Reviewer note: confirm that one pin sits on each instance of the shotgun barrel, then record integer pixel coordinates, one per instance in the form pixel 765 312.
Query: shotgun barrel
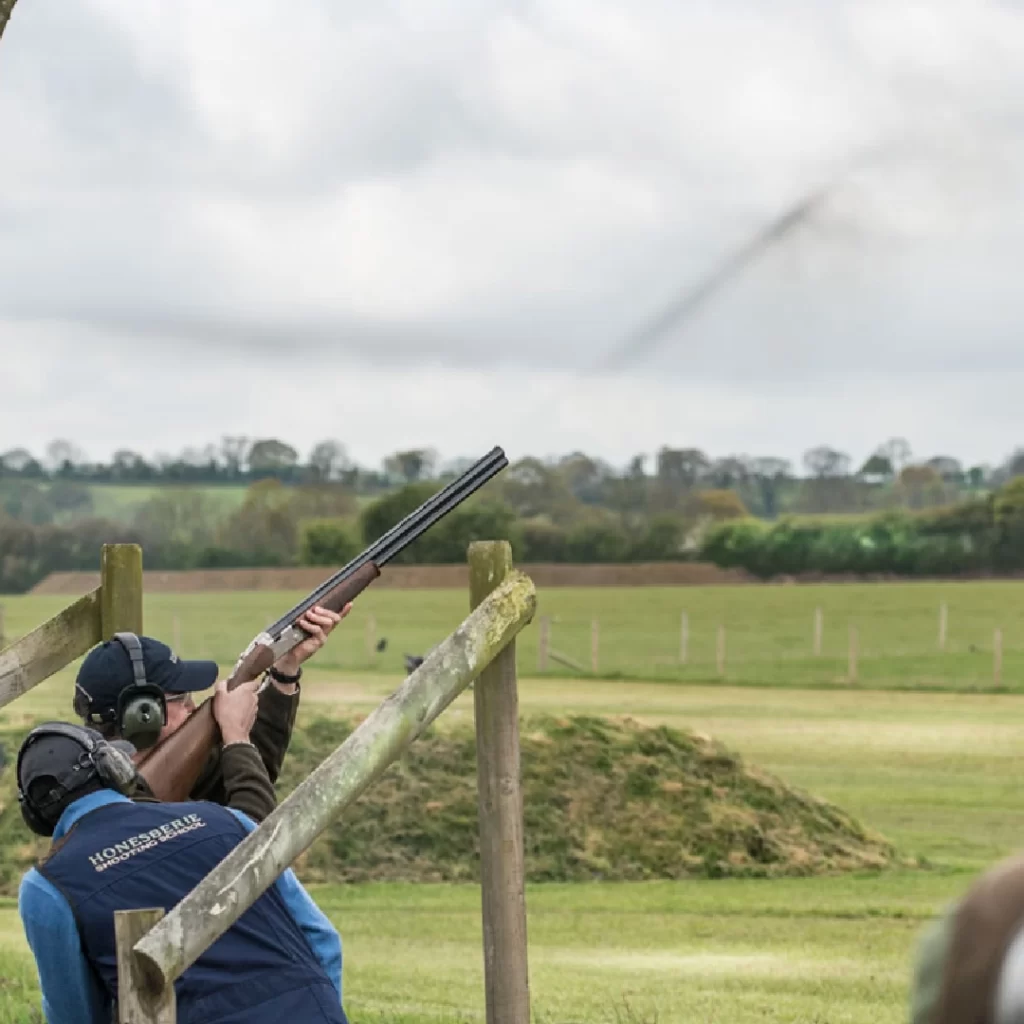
pixel 173 766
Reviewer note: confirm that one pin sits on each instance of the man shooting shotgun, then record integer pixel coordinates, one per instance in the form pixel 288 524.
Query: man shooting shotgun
pixel 172 767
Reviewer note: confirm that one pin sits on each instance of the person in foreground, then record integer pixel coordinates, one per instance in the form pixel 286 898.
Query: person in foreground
pixel 241 771
pixel 970 961
pixel 281 961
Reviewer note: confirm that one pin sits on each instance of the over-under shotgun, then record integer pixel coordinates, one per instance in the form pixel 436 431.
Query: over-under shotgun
pixel 172 768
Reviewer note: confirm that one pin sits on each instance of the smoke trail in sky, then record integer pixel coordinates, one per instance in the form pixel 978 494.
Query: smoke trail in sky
pixel 694 297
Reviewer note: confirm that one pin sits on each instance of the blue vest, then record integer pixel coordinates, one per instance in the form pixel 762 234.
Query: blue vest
pixel 126 856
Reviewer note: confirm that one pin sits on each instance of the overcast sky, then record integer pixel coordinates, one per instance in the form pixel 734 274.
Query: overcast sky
pixel 407 223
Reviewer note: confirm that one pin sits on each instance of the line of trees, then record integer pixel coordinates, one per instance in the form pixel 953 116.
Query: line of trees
pixel 574 508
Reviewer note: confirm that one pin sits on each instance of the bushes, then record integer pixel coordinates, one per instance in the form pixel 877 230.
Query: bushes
pixel 327 542
pixel 979 535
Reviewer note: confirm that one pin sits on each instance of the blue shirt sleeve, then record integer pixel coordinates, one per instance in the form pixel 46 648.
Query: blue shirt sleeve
pixel 321 935
pixel 71 991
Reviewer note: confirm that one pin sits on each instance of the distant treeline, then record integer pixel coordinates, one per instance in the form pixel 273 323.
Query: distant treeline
pixel 575 508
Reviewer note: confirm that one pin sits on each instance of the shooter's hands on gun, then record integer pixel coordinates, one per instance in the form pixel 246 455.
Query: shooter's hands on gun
pixel 235 710
pixel 318 623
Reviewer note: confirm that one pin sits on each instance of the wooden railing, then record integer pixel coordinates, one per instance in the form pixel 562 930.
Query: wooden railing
pixel 154 950
pixel 115 605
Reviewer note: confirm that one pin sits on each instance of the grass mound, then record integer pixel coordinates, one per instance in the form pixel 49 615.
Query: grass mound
pixel 604 799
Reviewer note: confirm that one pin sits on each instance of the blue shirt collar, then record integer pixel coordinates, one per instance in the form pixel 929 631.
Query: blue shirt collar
pixel 73 812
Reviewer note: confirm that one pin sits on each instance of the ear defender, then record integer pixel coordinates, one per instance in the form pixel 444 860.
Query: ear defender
pixel 141 707
pixel 99 759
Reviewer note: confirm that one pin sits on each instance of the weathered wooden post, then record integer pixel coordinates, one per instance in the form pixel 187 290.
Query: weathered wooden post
pixel 595 647
pixel 543 643
pixel 943 624
pixel 853 652
pixel 819 630
pixel 997 657
pixel 206 913
pixel 120 589
pixel 136 1004
pixel 500 800
pixel 6 7
pixel 684 637
pixel 720 653
pixel 371 637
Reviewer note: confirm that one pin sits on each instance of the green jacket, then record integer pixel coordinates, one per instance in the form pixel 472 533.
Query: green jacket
pixel 242 775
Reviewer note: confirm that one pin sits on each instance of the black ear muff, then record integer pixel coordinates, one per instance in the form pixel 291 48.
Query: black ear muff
pixel 99 759
pixel 141 707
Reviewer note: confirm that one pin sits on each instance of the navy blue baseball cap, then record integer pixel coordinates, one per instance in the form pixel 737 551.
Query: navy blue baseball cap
pixel 107 670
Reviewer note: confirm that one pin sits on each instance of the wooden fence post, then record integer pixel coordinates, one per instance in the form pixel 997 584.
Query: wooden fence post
pixel 852 670
pixel 543 643
pixel 136 1004
pixel 371 636
pixel 997 657
pixel 721 652
pixel 120 589
pixel 595 646
pixel 684 637
pixel 819 629
pixel 500 799
pixel 943 624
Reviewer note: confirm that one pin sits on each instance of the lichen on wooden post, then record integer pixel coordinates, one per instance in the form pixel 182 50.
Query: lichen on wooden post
pixel 6 7
pixel 255 864
pixel 50 647
pixel 120 589
pixel 500 803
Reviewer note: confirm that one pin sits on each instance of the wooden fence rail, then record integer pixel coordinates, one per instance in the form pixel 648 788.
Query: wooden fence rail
pixel 483 640
pixel 116 604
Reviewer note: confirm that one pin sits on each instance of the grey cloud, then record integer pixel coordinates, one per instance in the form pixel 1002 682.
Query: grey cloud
pixel 483 111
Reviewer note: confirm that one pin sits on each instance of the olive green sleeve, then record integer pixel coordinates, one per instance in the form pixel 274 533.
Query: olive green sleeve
pixel 247 787
pixel 272 732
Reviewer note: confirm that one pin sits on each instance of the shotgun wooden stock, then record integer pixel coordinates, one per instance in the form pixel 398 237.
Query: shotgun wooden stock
pixel 173 767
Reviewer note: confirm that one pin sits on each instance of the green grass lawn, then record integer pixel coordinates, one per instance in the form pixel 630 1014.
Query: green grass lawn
pixel 935 772
pixel 769 631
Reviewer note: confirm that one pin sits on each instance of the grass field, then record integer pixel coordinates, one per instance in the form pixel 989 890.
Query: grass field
pixel 768 640
pixel 936 772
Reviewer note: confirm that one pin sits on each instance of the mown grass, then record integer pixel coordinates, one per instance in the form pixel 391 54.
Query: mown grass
pixel 938 774
pixel 769 631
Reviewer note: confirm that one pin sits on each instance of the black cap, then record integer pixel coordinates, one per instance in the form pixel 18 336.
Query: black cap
pixel 107 670
pixel 55 768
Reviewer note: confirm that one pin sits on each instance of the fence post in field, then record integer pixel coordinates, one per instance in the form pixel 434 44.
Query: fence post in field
pixel 6 7
pixel 684 637
pixel 997 657
pixel 595 646
pixel 943 625
pixel 120 589
pixel 721 652
pixel 172 945
pixel 136 1004
pixel 500 800
pixel 543 643
pixel 852 669
pixel 819 629
pixel 371 636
